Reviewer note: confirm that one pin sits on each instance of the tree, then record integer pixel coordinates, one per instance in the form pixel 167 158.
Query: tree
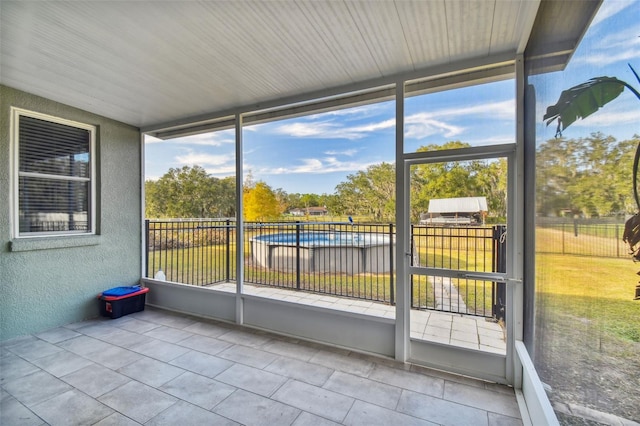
pixel 310 200
pixel 332 203
pixel 602 159
pixel 225 193
pixel 293 201
pixel 370 192
pixel 491 181
pixel 570 175
pixel 453 179
pixel 556 167
pixel 282 198
pixel 260 203
pixel 190 192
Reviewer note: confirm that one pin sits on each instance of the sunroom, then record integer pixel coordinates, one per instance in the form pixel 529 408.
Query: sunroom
pixel 87 82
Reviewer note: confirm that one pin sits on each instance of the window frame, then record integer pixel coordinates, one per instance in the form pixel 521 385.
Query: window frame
pixel 16 114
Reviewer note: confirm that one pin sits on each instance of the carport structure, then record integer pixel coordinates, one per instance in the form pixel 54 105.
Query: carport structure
pixel 170 69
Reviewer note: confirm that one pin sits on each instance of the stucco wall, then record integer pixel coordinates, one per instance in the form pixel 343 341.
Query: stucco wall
pixel 48 282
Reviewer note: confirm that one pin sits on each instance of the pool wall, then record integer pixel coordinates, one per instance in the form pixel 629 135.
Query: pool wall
pixel 354 258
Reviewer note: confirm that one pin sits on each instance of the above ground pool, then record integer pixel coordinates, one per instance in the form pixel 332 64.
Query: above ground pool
pixel 340 252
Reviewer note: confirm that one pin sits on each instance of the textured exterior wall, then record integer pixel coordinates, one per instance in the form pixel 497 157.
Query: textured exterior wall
pixel 48 282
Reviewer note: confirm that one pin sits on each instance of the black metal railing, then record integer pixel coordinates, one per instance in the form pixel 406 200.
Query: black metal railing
pixel 192 252
pixel 459 248
pixel 341 259
pixel 581 237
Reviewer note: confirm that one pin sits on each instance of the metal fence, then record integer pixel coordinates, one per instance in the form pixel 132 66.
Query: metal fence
pixel 332 258
pixel 198 252
pixel 581 238
pixel 470 249
pixel 341 259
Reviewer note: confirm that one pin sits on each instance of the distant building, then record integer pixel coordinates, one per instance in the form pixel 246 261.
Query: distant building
pixel 455 211
pixel 310 211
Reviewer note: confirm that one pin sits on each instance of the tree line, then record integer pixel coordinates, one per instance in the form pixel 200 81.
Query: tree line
pixel 587 176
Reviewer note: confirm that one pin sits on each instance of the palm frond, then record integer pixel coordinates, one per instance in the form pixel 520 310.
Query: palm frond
pixel 583 100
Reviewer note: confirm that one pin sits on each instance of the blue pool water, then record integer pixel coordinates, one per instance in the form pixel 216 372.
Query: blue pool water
pixel 324 238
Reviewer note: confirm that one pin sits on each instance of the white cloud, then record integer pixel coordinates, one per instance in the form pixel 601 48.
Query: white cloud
pixel 347 152
pixel 418 125
pixel 609 118
pixel 608 57
pixel 204 160
pixel 421 125
pixel 622 45
pixel 424 124
pixel 219 165
pixel 610 8
pixel 225 171
pixel 317 166
pixel 302 130
pixel 504 110
pixel 372 127
pixel 494 140
pixel 332 130
pixel 620 39
pixel 361 111
pixel 220 138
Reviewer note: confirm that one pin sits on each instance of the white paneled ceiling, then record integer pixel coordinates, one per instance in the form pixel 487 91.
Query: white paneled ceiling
pixel 148 63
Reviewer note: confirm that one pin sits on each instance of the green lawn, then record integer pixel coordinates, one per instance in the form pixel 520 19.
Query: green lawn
pixel 588 287
pixel 596 242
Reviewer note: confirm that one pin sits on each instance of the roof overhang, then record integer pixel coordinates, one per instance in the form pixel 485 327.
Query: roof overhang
pixel 174 68
pixel 557 31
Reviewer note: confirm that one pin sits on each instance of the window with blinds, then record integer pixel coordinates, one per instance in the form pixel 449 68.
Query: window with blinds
pixel 55 175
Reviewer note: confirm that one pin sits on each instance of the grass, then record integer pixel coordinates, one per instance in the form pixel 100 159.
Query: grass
pixel 207 265
pixel 604 230
pixel 587 326
pixel 467 249
pixel 592 243
pixel 597 291
pixel 588 288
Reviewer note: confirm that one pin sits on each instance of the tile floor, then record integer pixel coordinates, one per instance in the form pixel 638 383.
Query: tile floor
pixel 159 368
pixel 441 327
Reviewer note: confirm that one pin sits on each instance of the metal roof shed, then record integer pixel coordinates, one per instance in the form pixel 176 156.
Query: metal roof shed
pixel 458 205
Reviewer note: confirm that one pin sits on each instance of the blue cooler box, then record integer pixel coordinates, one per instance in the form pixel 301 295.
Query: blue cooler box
pixel 119 301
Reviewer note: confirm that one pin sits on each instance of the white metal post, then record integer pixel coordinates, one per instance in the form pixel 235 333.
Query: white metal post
pixel 143 207
pixel 402 230
pixel 515 238
pixel 239 224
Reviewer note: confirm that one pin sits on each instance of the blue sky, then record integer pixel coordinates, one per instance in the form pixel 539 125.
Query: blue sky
pixel 313 154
